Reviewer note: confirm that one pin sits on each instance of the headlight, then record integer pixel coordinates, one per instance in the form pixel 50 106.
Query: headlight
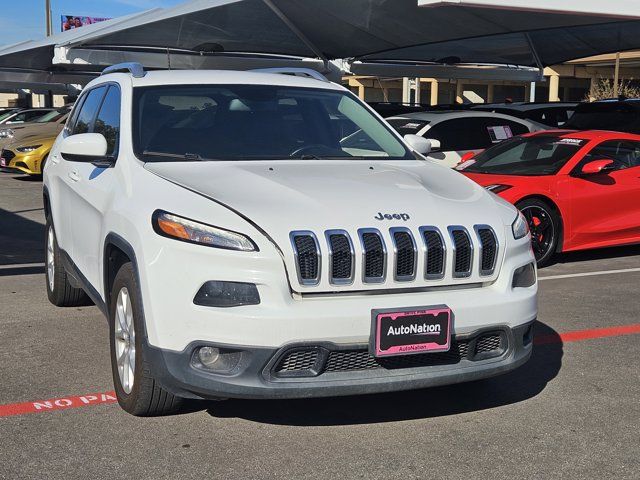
pixel 179 228
pixel 28 149
pixel 6 133
pixel 520 227
pixel 497 188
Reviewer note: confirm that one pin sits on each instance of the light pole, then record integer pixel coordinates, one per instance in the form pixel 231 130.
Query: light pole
pixel 49 27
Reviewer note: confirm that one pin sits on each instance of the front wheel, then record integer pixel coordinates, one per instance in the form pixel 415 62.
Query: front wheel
pixel 544 223
pixel 137 389
pixel 59 290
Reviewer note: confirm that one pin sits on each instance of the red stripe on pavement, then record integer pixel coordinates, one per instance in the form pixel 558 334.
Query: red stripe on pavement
pixel 110 397
pixel 580 335
pixel 57 404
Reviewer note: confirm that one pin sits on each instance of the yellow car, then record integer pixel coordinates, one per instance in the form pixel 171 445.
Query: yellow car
pixel 28 155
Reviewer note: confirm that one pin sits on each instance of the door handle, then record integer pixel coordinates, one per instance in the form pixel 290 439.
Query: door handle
pixel 73 175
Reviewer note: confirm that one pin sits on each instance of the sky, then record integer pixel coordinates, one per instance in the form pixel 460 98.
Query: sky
pixel 25 19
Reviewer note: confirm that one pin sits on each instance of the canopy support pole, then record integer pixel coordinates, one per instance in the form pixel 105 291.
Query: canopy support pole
pixel 297 32
pixel 534 52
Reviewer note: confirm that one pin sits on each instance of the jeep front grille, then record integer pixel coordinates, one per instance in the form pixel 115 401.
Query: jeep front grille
pixel 424 254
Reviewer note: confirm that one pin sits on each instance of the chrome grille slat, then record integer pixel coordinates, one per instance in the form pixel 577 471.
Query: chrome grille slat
pixel 405 254
pixel 462 251
pixel 308 257
pixel 374 255
pixel 487 250
pixel 435 252
pixel 341 257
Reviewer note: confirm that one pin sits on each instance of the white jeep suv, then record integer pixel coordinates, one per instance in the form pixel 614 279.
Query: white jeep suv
pixel 241 247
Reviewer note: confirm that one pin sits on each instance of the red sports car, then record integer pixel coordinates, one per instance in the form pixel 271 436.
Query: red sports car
pixel 578 190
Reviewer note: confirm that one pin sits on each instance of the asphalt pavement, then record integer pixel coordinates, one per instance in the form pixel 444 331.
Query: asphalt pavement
pixel 572 412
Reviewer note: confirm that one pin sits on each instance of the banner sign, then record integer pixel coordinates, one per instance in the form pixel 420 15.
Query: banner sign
pixel 69 22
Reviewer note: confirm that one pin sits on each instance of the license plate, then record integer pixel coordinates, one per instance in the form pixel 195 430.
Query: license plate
pixel 412 330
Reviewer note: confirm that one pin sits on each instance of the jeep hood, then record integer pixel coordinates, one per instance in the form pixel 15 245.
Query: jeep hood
pixel 281 196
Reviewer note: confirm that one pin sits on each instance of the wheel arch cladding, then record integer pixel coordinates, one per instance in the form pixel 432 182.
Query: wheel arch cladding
pixel 45 202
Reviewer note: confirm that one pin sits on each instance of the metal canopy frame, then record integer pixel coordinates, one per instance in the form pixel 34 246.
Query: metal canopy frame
pixel 476 39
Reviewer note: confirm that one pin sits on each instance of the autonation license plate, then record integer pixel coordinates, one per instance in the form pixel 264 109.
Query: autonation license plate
pixel 407 331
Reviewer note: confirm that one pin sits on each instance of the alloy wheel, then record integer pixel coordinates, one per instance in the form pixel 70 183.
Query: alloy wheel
pixel 125 340
pixel 542 230
pixel 51 264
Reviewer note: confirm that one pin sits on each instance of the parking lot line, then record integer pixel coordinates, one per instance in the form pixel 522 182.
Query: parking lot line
pixel 589 274
pixel 21 265
pixel 103 398
pixel 580 335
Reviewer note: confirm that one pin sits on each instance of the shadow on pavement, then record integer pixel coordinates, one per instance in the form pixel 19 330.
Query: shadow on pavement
pixel 21 240
pixel 516 386
pixel 596 254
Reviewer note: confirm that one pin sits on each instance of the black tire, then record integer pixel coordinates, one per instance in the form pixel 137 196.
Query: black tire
pixel 145 398
pixel 545 225
pixel 59 290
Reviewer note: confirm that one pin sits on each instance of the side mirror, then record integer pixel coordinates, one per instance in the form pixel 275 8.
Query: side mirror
pixel 597 166
pixel 418 144
pixel 86 147
pixel 435 144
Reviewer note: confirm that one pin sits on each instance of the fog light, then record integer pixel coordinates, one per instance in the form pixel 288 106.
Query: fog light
pixel 217 360
pixel 208 356
pixel 227 294
pixel 524 276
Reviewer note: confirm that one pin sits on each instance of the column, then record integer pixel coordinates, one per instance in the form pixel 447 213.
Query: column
pixel 406 90
pixel 490 93
pixel 554 88
pixel 434 92
pixel 459 92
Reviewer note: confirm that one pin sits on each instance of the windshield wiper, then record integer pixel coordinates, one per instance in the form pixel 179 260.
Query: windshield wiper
pixel 189 157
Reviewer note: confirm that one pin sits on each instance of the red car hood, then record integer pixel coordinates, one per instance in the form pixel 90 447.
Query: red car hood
pixel 521 186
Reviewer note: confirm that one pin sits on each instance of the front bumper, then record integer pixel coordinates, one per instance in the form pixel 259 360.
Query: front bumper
pixel 342 369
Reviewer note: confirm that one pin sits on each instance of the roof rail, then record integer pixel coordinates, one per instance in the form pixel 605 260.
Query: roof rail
pixel 294 71
pixel 134 68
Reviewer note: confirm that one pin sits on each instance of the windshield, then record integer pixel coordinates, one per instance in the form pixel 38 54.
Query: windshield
pixel 4 116
pixel 257 122
pixel 537 155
